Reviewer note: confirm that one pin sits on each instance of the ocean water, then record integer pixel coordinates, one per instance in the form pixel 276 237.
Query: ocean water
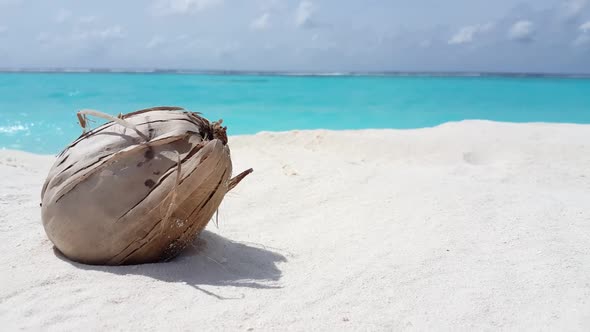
pixel 37 110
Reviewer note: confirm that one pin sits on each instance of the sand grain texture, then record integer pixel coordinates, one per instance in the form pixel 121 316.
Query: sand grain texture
pixel 469 225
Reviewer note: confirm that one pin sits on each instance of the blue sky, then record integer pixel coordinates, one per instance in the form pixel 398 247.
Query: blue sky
pixel 308 35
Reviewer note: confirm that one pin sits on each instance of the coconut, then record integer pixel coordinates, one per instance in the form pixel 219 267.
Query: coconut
pixel 137 189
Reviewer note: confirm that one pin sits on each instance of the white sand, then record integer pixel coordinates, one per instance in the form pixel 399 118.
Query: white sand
pixel 470 225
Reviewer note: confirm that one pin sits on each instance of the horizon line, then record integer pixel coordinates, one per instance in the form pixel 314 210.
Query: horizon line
pixel 156 70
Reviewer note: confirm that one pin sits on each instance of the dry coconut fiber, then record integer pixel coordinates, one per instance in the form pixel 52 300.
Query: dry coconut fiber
pixel 137 189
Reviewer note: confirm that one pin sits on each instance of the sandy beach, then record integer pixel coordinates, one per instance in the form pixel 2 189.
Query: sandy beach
pixel 471 225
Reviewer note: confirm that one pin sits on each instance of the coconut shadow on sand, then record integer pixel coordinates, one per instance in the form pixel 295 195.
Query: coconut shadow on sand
pixel 211 260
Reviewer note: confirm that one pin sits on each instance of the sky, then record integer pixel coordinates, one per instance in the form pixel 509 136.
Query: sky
pixel 550 36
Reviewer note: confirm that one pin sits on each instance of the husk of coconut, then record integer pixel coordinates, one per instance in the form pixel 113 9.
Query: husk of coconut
pixel 137 189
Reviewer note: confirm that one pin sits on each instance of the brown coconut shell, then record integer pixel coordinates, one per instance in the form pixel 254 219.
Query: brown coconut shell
pixel 137 189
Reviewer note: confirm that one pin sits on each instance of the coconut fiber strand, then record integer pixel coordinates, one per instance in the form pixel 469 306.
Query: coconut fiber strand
pixel 137 189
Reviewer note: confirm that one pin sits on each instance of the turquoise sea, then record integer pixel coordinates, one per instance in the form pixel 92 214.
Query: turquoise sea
pixel 37 110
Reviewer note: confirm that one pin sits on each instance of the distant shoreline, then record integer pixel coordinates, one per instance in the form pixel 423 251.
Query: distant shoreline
pixel 287 73
pixel 312 132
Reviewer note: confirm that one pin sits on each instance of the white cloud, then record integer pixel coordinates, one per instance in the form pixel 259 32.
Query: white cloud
pixel 168 7
pixel 155 42
pixel 96 43
pixel 87 19
pixel 113 32
pixel 81 36
pixel 584 37
pixel 304 14
pixel 574 7
pixel 261 23
pixel 467 34
pixel 3 29
pixel 62 15
pixel 522 31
